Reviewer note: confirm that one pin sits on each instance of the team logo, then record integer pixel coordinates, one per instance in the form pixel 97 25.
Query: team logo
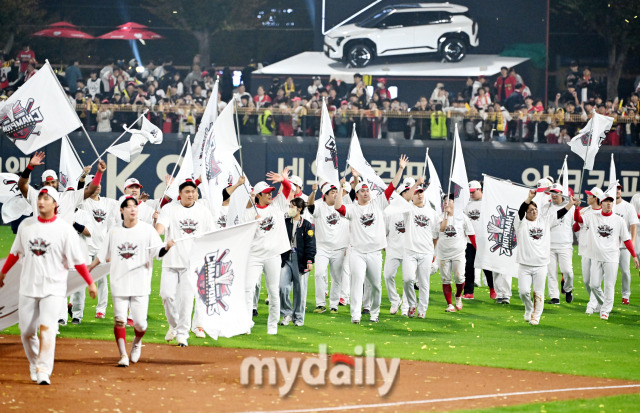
pixel 215 279
pixel 474 215
pixel 421 221
pixel 536 233
pixel 605 231
pixel 267 224
pixel 400 227
pixel 63 179
pixel 188 226
pixel 38 247
pixel 450 231
pixel 502 232
pixel 456 190
pixel 330 145
pixel 222 221
pixel 99 215
pixel 12 183
pixel 368 219
pixel 374 188
pixel 127 250
pixel 21 122
pixel 333 218
pixel 212 167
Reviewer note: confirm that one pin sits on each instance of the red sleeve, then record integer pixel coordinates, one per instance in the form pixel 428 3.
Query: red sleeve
pixel 84 273
pixel 472 238
pixel 198 182
pixel 97 178
pixel 342 210
pixel 576 216
pixel 10 262
pixel 286 188
pixel 576 227
pixel 164 201
pixel 629 246
pixel 389 191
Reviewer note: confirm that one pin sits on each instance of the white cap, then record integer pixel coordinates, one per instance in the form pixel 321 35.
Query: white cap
pixel 408 181
pixel 132 181
pixel 605 195
pixel 557 188
pixel 328 187
pixel 403 187
pixel 124 198
pixel 543 184
pixel 550 178
pixel 296 180
pixel 52 192
pixel 49 175
pixel 262 188
pixel 346 187
pixel 361 185
pixel 473 185
pixel 595 191
pixel 419 188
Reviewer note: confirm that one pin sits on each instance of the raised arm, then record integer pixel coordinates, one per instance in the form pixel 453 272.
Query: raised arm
pixel 23 183
pixel 404 160
pixel 95 182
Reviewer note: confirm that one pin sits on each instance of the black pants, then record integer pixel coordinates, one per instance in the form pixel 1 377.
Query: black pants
pixel 469 271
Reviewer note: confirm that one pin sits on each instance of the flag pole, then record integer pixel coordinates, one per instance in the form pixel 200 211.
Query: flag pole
pixel 235 102
pixel 118 138
pixel 424 168
pixel 245 188
pixel 562 169
pixel 453 149
pixel 74 150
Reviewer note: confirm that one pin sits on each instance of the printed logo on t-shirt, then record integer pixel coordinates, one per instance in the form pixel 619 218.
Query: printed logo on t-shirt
pixel 400 227
pixel 450 231
pixel 536 233
pixel 474 215
pixel 99 215
pixel 368 219
pixel 222 221
pixel 267 224
pixel 127 250
pixel 421 220
pixel 333 218
pixel 38 247
pixel 188 226
pixel 605 231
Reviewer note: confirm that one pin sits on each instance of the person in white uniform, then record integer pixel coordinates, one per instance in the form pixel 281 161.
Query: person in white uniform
pixel 627 212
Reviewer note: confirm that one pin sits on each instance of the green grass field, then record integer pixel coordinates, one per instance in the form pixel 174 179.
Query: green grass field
pixel 484 333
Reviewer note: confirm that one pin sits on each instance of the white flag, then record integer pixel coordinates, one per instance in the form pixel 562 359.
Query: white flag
pixel 204 129
pixel 612 190
pixel 564 175
pixel 14 208
pixel 587 142
pixel 496 240
pixel 433 193
pixel 128 151
pixel 219 166
pixel 327 155
pixel 359 163
pixel 8 186
pixel 238 204
pixel 9 294
pixel 459 179
pixel 186 171
pixel 220 261
pixel 38 113
pixel 70 167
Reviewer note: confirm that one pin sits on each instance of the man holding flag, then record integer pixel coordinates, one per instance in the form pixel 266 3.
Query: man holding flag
pixel 624 210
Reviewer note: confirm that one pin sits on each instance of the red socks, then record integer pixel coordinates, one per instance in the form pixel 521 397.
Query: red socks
pixel 446 289
pixel 459 289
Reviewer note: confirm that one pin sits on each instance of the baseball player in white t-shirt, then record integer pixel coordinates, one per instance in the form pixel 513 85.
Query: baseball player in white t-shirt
pixel 451 245
pixel 367 232
pixel 181 219
pixel 635 202
pixel 146 212
pixel 534 245
pixel 49 247
pixel 625 210
pixel 593 203
pixel 131 248
pixel 606 231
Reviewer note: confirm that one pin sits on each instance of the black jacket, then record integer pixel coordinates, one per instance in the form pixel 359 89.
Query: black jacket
pixel 305 243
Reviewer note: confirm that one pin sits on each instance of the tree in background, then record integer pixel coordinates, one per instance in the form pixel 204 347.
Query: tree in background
pixel 17 19
pixel 617 22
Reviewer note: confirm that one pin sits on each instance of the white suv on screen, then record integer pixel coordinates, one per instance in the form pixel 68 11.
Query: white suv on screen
pixel 404 29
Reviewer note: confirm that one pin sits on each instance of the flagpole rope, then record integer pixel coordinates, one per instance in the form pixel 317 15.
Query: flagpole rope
pixel 117 139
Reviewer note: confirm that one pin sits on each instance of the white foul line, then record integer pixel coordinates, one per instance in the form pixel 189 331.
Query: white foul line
pixel 451 399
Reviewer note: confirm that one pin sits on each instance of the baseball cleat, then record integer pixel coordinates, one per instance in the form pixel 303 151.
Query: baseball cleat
pixel 333 310
pixel 43 379
pixel 625 301
pixel 505 301
pixel 468 296
pixel 32 373
pixel 136 350
pixel 342 302
pixel 199 332
pixel 393 309
pixel 354 321
pixel 62 322
pixel 373 320
pixel 421 315
pixel 320 309
pixel 298 323
pixel 492 294
pixel 255 313
pixel 589 311
pixel 99 315
pixel 182 342
pixel 266 300
pixel 365 311
pixel 450 309
pixel 412 312
pixel 171 335
pixel 124 361
pixel 569 297
pixel 499 300
pixel 285 320
pixel 459 303
pixel 527 316
pixel 76 321
pixel 604 316
pixel 555 301
pixel 534 322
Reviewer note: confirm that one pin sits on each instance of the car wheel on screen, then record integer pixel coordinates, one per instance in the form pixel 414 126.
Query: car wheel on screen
pixel 453 49
pixel 359 55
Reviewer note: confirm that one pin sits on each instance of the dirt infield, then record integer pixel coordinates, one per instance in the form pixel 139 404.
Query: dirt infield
pixel 170 378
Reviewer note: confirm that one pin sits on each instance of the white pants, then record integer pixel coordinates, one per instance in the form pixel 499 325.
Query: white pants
pixel 103 295
pixel 391 265
pixel 369 266
pixel 586 279
pixel 625 268
pixel 34 314
pixel 607 271
pixel 562 257
pixel 271 268
pixel 502 285
pixel 334 260
pixel 139 306
pixel 177 290
pixel 532 278
pixel 416 265
pixel 346 275
pixel 452 268
pixel 196 321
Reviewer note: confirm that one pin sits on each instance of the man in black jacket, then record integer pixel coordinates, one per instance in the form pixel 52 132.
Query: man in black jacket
pixel 296 264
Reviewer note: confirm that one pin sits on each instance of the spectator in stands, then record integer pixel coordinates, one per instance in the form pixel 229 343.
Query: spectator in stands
pixel 357 80
pixel 370 121
pixel 440 95
pixel 515 99
pixel 438 123
pixel 94 85
pixel 514 74
pixel 290 88
pixel 316 83
pixel 340 87
pixel 266 121
pixel 586 85
pixel 194 76
pixel 298 112
pixel 552 133
pixel 104 117
pixel 573 76
pixel 381 88
pixel 631 128
pixel 72 74
pixel 31 69
pixel 482 100
pixel 24 56
pixel 422 124
pixel 273 89
pixel 564 136
pixel 106 73
pixel 504 85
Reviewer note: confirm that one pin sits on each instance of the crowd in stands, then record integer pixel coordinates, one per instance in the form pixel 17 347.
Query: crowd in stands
pixel 503 110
